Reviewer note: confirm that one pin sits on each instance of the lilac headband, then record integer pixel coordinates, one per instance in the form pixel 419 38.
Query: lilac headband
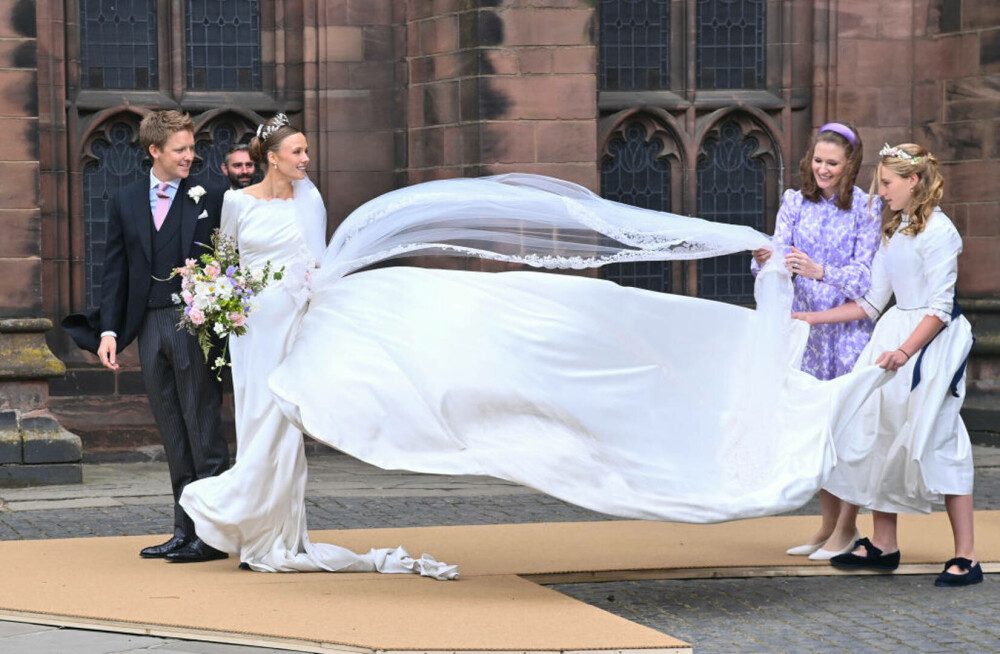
pixel 843 130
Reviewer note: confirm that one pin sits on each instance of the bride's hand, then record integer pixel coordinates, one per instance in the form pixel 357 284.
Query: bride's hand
pixel 799 263
pixel 761 255
pixel 804 316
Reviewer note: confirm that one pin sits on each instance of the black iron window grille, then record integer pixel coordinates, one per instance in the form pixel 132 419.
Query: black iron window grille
pixel 635 45
pixel 731 35
pixel 634 172
pixel 730 190
pixel 222 38
pixel 118 46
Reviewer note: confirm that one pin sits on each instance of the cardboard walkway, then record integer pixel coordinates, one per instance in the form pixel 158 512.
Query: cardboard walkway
pixel 101 583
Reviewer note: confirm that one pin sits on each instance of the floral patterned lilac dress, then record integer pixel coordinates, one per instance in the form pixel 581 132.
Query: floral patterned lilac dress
pixel 844 243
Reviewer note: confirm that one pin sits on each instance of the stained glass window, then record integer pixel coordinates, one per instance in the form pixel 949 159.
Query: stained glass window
pixel 730 44
pixel 633 172
pixel 635 45
pixel 119 161
pixel 730 190
pixel 223 44
pixel 118 44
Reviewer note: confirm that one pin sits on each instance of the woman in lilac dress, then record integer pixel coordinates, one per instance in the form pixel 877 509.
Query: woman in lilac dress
pixel 830 233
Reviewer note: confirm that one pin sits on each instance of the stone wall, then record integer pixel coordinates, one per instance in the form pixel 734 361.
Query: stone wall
pixel 928 71
pixel 501 88
pixel 20 246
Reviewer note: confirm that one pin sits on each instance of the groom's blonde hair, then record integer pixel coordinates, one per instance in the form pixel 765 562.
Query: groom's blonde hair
pixel 157 127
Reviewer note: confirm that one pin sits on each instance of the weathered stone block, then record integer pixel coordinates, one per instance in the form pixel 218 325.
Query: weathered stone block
pixel 23 394
pixel 989 51
pixel 44 441
pixel 438 35
pixel 977 266
pixel 40 475
pixel 24 354
pixel 977 14
pixel 20 282
pixel 565 140
pixel 21 229
pixel 343 43
pixel 548 27
pixel 18 92
pixel 10 437
pixel 942 58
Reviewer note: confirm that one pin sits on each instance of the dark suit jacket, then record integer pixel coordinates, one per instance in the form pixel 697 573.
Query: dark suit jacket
pixel 127 276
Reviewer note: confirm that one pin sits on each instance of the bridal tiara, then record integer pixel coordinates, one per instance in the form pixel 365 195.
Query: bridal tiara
pixel 889 151
pixel 280 120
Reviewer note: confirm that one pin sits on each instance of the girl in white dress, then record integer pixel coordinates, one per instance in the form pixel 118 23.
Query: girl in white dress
pixel 910 450
pixel 257 508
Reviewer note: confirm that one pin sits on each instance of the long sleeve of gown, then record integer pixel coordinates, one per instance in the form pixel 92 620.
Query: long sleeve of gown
pixel 939 250
pixel 854 277
pixel 877 297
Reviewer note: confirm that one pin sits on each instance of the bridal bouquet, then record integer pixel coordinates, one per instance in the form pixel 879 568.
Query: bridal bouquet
pixel 217 295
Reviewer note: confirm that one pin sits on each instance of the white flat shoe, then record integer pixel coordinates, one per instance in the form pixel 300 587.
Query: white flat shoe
pixel 803 550
pixel 825 555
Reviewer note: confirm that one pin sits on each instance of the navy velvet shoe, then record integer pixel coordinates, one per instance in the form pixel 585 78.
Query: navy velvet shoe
pixel 973 573
pixel 873 558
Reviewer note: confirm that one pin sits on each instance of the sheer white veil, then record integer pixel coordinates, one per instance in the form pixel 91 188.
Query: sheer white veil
pixel 522 218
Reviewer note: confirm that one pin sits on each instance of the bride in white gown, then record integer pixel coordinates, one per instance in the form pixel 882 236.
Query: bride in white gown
pixel 621 400
pixel 257 509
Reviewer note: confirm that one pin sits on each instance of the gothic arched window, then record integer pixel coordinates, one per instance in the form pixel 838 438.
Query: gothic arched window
pixel 731 189
pixel 635 44
pixel 635 170
pixel 113 159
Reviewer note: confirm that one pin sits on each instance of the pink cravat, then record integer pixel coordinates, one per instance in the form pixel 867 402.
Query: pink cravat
pixel 162 205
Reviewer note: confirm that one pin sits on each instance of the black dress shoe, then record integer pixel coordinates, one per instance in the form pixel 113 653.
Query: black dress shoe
pixel 161 551
pixel 872 558
pixel 195 552
pixel 973 573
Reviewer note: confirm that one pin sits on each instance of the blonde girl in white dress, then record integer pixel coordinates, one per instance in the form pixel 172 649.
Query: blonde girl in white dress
pixel 910 451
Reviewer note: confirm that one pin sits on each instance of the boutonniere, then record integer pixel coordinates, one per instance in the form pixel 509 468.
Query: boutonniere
pixel 195 193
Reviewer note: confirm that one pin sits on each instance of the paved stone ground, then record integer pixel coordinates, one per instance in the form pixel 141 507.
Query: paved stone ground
pixel 807 614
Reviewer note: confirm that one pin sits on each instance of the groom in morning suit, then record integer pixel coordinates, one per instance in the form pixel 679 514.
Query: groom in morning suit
pixel 153 225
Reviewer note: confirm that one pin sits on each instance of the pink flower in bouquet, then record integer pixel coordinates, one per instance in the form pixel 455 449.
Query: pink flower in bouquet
pixel 187 297
pixel 196 315
pixel 238 319
pixel 212 270
pixel 190 263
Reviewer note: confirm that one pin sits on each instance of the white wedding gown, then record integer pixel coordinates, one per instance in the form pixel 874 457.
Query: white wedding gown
pixel 256 509
pixel 625 401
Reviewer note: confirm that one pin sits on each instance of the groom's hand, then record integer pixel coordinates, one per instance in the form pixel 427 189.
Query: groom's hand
pixel 106 352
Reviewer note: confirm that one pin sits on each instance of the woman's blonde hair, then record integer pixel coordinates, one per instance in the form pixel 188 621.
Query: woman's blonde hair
pixel 905 160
